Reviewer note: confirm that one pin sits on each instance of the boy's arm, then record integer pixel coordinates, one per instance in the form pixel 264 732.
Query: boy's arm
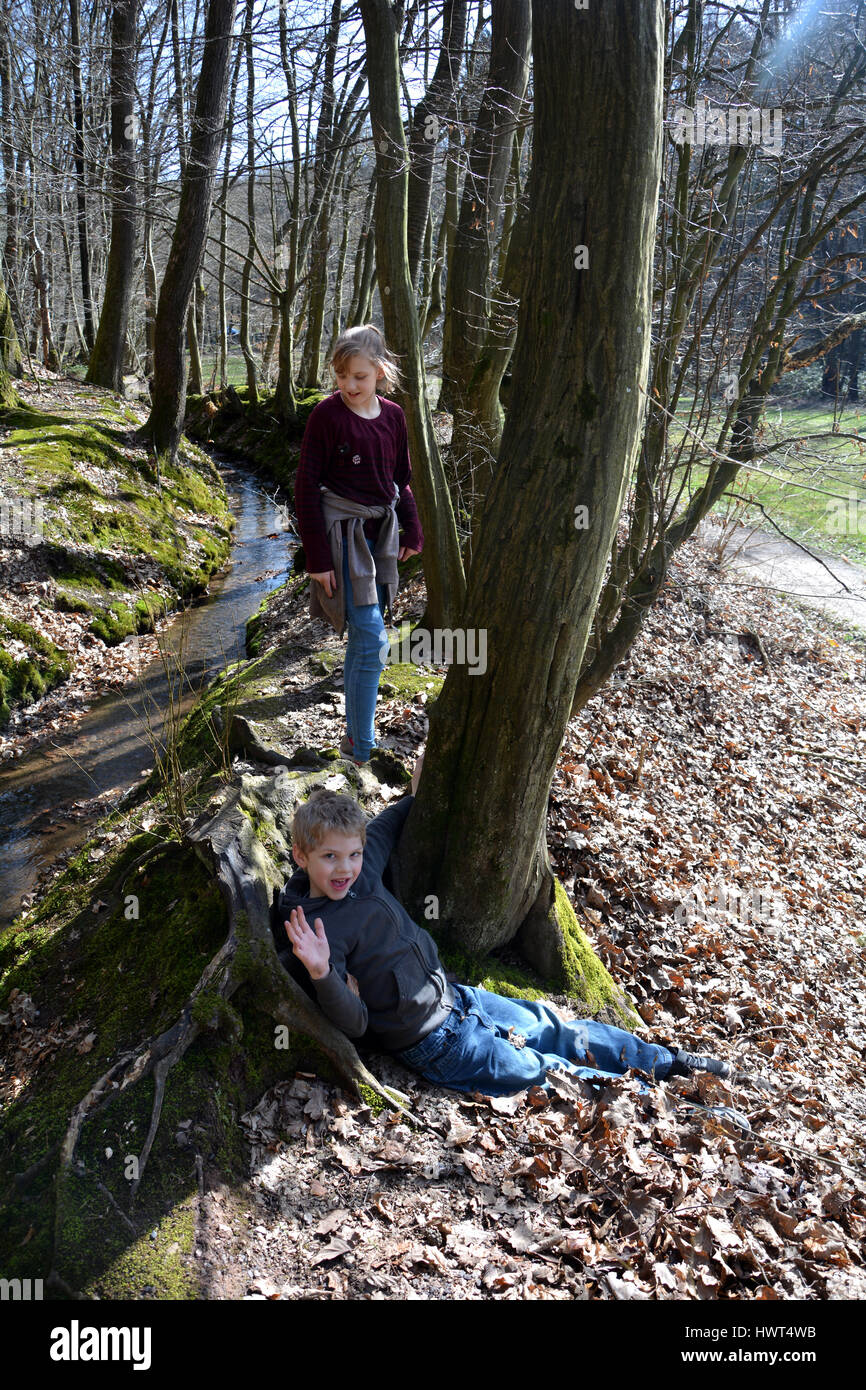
pixel 383 832
pixel 343 1007
pixel 325 966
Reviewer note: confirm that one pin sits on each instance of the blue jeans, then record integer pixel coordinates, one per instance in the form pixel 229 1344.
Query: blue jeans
pixel 363 664
pixel 471 1050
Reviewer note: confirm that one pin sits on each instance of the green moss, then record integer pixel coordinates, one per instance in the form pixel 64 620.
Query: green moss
pixel 585 978
pixel 25 678
pixel 491 974
pixel 377 1103
pixel 405 679
pixel 66 601
pixel 155 1265
pixel 177 516
pixel 212 1011
pixel 120 620
pixel 372 1098
pixel 326 660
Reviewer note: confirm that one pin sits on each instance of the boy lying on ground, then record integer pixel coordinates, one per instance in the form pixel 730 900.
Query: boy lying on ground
pixel 375 972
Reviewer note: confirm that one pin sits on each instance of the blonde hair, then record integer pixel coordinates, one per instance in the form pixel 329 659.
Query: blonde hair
pixel 366 340
pixel 326 811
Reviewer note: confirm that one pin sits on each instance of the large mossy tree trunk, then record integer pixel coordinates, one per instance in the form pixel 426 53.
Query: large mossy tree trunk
pixel 475 838
pixel 443 567
pixel 165 423
pixel 107 359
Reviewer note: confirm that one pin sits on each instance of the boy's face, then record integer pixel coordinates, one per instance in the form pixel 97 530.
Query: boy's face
pixel 333 865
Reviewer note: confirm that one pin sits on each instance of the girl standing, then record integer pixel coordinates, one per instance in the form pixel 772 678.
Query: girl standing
pixel 357 516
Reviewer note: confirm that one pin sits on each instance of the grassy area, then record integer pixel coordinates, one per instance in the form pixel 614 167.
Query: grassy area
pixel 814 489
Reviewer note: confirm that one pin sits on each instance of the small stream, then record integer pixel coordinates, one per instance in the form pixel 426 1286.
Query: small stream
pixel 109 748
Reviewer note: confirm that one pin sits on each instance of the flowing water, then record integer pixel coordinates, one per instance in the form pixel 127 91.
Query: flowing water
pixel 109 748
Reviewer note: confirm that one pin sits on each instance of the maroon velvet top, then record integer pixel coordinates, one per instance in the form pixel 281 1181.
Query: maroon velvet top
pixel 357 458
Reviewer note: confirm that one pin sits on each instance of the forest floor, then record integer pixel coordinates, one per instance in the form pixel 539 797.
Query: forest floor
pixel 707 820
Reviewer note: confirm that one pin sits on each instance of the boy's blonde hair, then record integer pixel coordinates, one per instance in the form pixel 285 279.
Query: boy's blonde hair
pixel 326 811
pixel 366 340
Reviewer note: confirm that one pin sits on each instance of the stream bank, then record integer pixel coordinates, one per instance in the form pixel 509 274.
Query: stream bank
pixel 136 589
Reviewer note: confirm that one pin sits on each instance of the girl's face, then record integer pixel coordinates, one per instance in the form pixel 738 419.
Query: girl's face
pixel 357 380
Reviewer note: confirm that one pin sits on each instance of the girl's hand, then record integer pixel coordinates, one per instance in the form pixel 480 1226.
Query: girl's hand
pixel 309 945
pixel 328 582
pixel 405 552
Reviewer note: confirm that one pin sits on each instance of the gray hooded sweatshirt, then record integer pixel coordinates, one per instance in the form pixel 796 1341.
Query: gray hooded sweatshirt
pixel 366 569
pixel 404 994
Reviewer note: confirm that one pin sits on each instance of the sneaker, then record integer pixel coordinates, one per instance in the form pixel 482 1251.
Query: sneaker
pixel 685 1063
pixel 347 746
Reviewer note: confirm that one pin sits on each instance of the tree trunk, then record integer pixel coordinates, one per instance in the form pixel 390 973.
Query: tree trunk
pixel 467 302
pixel 285 400
pixel 42 286
pixel 318 289
pixel 337 304
pixel 165 422
pixel 246 273
pixel 364 276
pixel 11 166
pixel 107 359
pixel 426 125
pixel 443 567
pixel 10 349
pixel 195 383
pixel 475 837
pixel 70 277
pixel 80 169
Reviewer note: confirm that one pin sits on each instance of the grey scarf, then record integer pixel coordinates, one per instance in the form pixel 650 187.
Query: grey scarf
pixel 365 570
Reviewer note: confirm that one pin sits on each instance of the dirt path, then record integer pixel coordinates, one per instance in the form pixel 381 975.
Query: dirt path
pixel 828 583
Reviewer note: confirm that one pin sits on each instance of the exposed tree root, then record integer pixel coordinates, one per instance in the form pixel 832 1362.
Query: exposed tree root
pixel 246 870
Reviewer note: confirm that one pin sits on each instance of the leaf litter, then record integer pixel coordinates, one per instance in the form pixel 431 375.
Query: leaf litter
pixel 719 869
pixel 706 818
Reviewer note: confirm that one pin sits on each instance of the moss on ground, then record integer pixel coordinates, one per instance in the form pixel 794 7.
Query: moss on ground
pixel 27 675
pixel 497 976
pixel 103 981
pixel 106 509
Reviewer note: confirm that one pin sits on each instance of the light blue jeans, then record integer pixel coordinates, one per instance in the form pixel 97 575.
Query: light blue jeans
pixel 362 667
pixel 472 1050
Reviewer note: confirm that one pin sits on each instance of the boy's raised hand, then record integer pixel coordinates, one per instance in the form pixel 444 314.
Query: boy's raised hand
pixel 309 944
